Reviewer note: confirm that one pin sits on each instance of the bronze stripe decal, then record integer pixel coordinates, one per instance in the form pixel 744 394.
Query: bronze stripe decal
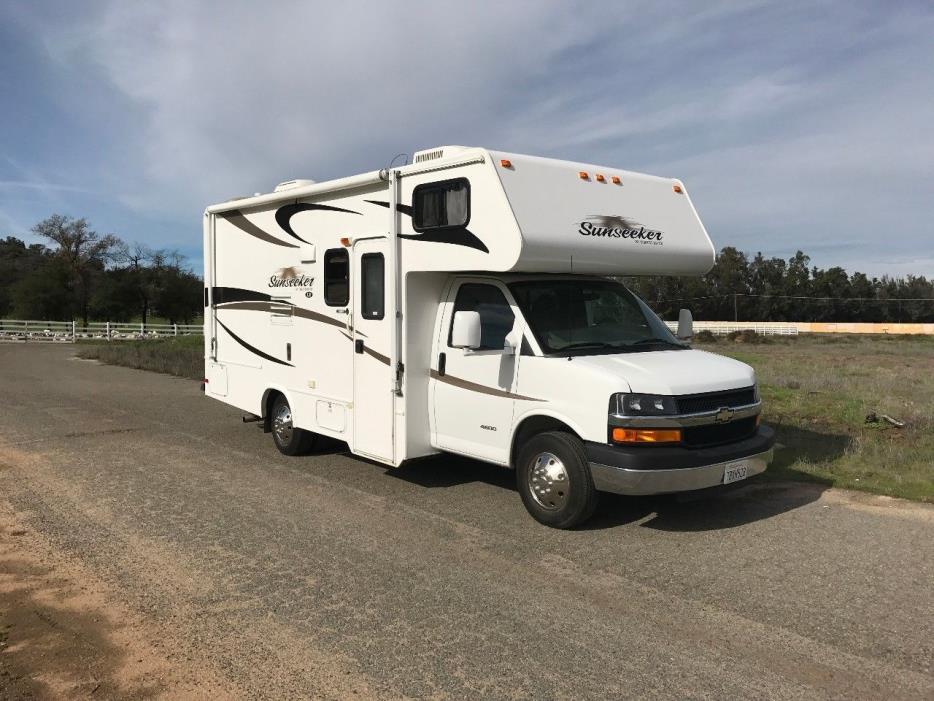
pixel 296 311
pixel 245 225
pixel 482 389
pixel 369 351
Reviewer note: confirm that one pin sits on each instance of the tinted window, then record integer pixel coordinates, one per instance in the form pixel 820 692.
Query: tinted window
pixel 373 285
pixel 496 317
pixel 441 205
pixel 336 277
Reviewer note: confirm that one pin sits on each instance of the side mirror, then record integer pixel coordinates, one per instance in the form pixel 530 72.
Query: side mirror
pixel 466 330
pixel 512 342
pixel 685 324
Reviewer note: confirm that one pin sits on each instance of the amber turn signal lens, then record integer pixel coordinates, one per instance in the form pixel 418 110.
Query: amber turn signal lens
pixel 616 180
pixel 583 175
pixel 677 188
pixel 600 178
pixel 646 435
pixel 345 241
pixel 506 163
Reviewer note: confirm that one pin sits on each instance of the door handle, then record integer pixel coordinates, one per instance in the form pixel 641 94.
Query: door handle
pixel 358 345
pixel 442 362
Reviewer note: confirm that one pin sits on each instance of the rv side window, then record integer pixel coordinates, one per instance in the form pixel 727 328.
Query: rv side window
pixel 496 317
pixel 372 285
pixel 336 277
pixel 441 205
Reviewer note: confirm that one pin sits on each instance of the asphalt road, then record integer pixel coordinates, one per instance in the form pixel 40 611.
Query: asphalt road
pixel 331 576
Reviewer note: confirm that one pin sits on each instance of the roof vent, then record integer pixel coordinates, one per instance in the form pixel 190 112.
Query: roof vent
pixel 292 184
pixel 436 153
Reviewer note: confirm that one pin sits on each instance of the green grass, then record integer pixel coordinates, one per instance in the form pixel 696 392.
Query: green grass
pixel 182 356
pixel 817 392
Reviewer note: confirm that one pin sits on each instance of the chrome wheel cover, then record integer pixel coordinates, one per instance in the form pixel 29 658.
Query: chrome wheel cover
pixel 548 482
pixel 282 424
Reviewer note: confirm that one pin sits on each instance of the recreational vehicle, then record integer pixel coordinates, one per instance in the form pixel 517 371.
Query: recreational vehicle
pixel 466 303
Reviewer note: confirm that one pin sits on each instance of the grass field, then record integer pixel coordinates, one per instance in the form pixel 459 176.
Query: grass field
pixel 182 356
pixel 817 390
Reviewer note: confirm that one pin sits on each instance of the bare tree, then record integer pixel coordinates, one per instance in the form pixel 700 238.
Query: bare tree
pixel 84 251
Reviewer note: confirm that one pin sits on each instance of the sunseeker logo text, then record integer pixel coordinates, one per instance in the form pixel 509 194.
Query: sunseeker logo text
pixel 290 277
pixel 617 227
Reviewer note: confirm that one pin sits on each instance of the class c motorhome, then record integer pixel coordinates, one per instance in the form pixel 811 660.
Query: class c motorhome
pixel 464 303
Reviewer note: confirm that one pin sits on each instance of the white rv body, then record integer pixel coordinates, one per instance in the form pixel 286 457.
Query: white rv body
pixel 375 367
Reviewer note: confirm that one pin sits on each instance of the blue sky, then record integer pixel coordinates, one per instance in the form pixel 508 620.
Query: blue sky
pixel 795 125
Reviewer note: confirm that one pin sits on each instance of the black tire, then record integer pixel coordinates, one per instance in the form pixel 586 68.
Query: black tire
pixel 561 493
pixel 288 439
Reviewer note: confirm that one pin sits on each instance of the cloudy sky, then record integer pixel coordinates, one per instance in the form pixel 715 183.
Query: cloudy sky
pixel 795 125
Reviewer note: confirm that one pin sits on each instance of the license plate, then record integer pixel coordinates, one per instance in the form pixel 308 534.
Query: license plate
pixel 734 472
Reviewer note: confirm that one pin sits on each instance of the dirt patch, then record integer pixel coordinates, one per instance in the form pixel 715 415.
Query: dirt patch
pixel 62 636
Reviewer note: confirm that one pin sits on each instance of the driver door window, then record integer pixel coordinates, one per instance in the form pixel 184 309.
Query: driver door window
pixel 496 316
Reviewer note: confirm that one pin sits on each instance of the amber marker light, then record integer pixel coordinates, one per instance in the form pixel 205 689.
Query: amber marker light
pixel 345 241
pixel 677 188
pixel 506 163
pixel 583 175
pixel 646 435
pixel 601 178
pixel 616 180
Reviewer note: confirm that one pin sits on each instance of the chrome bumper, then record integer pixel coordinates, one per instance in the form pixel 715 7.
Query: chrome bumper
pixel 621 480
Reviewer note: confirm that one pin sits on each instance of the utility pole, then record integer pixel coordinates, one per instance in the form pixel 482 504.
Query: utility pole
pixel 735 315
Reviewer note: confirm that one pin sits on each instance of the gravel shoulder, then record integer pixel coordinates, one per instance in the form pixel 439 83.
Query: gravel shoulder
pixel 153 546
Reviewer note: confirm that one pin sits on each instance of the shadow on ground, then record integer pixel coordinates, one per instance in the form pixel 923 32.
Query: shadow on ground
pixel 781 489
pixel 50 651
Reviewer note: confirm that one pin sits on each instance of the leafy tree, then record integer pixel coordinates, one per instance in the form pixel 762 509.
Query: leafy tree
pixel 83 251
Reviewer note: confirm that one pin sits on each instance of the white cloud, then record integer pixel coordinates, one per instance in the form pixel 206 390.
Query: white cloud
pixel 793 125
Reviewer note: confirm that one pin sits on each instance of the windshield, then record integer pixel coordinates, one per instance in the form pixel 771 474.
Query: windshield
pixel 590 316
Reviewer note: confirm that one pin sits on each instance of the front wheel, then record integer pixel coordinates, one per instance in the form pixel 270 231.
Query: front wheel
pixel 554 480
pixel 288 439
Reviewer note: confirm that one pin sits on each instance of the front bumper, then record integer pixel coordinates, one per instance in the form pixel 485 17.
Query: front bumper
pixel 660 470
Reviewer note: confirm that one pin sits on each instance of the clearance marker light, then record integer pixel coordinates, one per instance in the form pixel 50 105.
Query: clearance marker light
pixel 646 435
pixel 616 180
pixel 506 163
pixel 345 241
pixel 583 175
pixel 677 188
pixel 600 178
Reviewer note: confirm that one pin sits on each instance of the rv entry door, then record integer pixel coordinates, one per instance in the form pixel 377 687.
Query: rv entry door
pixel 372 376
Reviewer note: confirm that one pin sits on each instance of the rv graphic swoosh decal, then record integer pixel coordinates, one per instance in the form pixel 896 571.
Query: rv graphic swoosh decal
pixel 401 208
pixel 285 213
pixel 255 351
pixel 263 303
pixel 457 236
pixel 246 226
pixel 475 387
pixel 369 351
pixel 223 295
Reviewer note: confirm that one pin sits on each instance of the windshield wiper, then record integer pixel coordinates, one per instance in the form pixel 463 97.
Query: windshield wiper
pixel 655 342
pixel 587 344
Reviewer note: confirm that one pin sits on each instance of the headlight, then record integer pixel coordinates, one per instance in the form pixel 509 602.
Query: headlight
pixel 645 405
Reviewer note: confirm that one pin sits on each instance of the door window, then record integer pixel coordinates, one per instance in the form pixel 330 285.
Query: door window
pixel 373 285
pixel 336 277
pixel 496 317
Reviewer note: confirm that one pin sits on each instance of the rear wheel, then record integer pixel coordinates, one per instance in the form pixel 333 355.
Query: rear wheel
pixel 288 439
pixel 554 480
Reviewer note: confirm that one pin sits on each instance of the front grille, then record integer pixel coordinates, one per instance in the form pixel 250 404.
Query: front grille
pixel 711 401
pixel 717 434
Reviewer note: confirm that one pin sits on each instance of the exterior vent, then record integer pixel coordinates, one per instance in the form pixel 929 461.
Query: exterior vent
pixel 436 153
pixel 292 184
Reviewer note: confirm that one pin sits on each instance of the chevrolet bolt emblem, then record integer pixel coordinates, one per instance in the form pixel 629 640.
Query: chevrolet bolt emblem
pixel 724 415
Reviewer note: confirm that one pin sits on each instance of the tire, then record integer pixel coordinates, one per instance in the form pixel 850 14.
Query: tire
pixel 288 439
pixel 554 480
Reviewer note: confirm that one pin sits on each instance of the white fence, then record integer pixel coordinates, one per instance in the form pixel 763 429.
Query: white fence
pixel 722 328
pixel 70 331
